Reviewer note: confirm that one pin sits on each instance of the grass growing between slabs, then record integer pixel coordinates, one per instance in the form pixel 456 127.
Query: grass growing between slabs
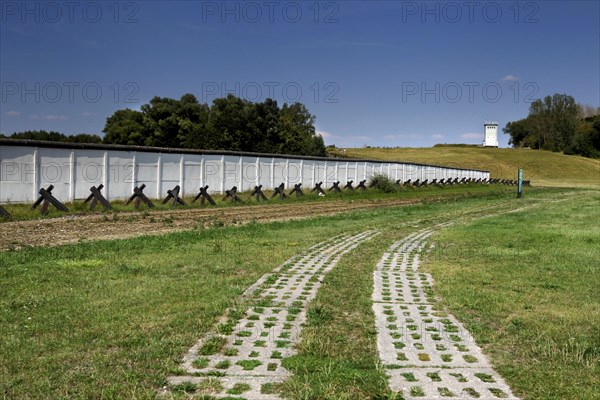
pixel 338 352
pixel 112 319
pixel 526 284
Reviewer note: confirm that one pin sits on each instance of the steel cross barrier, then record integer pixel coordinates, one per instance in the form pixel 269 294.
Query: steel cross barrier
pixel 318 189
pixel 349 185
pixel 174 194
pixel 3 213
pixel 258 193
pixel 46 198
pixel 361 185
pixel 336 187
pixel 139 196
pixel 297 190
pixel 232 194
pixel 204 196
pixel 280 190
pixel 97 197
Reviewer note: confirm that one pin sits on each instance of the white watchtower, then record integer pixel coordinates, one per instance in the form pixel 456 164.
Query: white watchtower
pixel 490 134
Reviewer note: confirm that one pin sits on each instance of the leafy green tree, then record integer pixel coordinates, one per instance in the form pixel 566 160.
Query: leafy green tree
pixel 176 123
pixel 557 123
pixel 586 141
pixel 553 121
pixel 297 131
pixel 263 123
pixel 126 127
pixel 193 120
pixel 84 138
pixel 586 111
pixel 40 135
pixel 520 133
pixel 162 122
pixel 56 137
pixel 230 123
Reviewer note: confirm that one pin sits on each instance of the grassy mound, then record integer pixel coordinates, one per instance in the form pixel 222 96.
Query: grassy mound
pixel 543 168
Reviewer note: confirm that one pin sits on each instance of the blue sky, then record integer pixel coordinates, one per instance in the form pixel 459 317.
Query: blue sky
pixel 379 73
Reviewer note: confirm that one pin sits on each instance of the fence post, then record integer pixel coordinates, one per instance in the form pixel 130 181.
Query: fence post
pixel 337 167
pixel 520 184
pixel 241 180
pixel 72 175
pixel 287 173
pixel 158 175
pixel 257 177
pixel 36 173
pixel 223 173
pixel 181 172
pixel 202 170
pixel 347 165
pixel 134 175
pixel 105 177
pixel 272 173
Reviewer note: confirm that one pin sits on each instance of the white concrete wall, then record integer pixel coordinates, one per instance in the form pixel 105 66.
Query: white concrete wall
pixel 25 169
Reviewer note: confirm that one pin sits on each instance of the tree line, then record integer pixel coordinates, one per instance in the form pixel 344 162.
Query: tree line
pixel 558 123
pixel 230 123
pixel 53 136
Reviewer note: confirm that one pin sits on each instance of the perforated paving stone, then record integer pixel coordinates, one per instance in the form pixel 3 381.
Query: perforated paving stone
pixel 244 359
pixel 428 353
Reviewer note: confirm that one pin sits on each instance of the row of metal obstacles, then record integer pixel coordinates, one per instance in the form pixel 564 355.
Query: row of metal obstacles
pixel 457 181
pixel 138 197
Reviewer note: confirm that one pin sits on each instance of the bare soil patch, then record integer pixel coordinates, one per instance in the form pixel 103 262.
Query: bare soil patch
pixel 72 229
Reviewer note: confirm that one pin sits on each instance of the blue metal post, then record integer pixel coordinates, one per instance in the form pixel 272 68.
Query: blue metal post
pixel 520 187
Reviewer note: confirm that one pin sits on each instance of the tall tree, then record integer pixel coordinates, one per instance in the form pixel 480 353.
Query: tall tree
pixel 162 121
pixel 520 133
pixel 557 123
pixel 553 121
pixel 297 130
pixel 263 123
pixel 56 137
pixel 193 122
pixel 126 127
pixel 587 111
pixel 230 123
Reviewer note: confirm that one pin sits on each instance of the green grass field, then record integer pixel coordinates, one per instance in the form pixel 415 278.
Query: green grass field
pixel 543 168
pixel 112 319
pixel 527 285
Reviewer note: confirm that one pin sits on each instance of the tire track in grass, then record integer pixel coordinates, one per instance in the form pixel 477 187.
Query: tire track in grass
pixel 243 357
pixel 427 352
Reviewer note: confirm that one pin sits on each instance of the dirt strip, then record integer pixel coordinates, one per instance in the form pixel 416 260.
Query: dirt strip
pixel 72 229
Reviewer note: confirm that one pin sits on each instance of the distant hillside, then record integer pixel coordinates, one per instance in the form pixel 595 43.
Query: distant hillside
pixel 543 168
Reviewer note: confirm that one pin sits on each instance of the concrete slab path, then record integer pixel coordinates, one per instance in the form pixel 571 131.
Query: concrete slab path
pixel 246 362
pixel 427 352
